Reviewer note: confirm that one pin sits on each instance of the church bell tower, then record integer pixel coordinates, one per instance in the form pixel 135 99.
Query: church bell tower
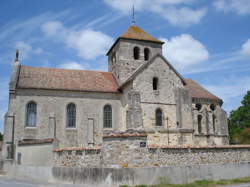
pixel 132 49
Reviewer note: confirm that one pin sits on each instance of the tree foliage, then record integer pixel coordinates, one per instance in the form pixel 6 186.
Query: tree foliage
pixel 1 136
pixel 239 122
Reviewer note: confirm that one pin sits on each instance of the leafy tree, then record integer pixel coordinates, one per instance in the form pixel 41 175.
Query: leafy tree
pixel 239 122
pixel 1 136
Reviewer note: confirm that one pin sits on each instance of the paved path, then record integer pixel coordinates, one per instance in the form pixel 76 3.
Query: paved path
pixel 5 182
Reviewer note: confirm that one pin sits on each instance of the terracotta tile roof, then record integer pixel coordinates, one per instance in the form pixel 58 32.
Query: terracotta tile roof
pixel 197 91
pixel 64 79
pixel 135 32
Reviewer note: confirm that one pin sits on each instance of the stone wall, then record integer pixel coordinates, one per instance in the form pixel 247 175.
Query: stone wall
pixel 132 152
pixel 73 157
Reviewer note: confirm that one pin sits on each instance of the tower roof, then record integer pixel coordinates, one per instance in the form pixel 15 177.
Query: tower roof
pixel 136 33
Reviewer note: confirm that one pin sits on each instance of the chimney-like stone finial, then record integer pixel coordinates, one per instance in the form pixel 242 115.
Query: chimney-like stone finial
pixel 17 55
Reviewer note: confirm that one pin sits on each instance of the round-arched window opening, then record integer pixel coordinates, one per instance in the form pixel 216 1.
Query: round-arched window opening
pixel 212 107
pixel 155 83
pixel 198 106
pixel 146 54
pixel 136 53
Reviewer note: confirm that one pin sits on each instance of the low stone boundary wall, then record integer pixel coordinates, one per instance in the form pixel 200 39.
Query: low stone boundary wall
pixel 132 152
pixel 113 177
pixel 83 157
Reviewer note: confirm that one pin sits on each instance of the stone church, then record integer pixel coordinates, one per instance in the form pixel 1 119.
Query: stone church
pixel 142 94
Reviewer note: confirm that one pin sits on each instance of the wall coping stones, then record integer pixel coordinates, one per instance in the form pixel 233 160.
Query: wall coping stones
pixel 35 141
pixel 78 149
pixel 124 134
pixel 200 147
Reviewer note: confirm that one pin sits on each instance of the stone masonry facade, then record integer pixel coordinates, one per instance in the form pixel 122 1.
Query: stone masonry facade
pixel 141 94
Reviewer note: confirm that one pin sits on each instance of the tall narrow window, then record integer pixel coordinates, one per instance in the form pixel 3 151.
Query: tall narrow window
pixel 158 117
pixel 155 83
pixel 199 118
pixel 31 114
pixel 146 54
pixel 136 53
pixel 71 115
pixel 214 118
pixel 107 116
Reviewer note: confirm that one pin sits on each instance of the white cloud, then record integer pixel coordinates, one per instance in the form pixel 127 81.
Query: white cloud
pixel 184 51
pixel 174 11
pixel 231 91
pixel 26 50
pixel 241 7
pixel 88 43
pixel 180 16
pixel 126 6
pixel 72 65
pixel 52 28
pixel 245 50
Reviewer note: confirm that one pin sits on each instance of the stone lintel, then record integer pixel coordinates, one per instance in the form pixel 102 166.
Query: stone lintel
pixel 164 130
pixel 78 149
pixel 35 141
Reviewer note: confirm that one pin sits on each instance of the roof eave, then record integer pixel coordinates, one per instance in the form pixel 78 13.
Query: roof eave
pixel 159 42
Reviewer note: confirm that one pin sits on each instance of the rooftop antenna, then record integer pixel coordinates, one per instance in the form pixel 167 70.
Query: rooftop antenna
pixel 17 55
pixel 133 15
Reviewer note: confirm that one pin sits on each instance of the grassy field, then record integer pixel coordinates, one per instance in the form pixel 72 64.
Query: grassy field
pixel 203 183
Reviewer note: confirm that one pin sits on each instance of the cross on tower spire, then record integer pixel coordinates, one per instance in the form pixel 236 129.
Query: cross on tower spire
pixel 133 15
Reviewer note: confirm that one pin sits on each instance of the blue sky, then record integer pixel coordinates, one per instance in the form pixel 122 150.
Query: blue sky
pixel 208 41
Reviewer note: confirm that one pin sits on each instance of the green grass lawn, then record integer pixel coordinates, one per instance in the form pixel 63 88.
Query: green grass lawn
pixel 203 183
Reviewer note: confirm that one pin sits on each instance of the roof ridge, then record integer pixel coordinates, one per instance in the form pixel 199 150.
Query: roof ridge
pixel 54 68
pixel 135 32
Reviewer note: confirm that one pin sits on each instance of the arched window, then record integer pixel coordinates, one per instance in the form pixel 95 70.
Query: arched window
pixel 213 121
pixel 107 116
pixel 146 54
pixel 198 106
pixel 31 114
pixel 158 117
pixel 136 53
pixel 199 118
pixel 155 83
pixel 71 115
pixel 212 107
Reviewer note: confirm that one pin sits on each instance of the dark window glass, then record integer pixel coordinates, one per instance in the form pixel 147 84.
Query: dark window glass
pixel 198 106
pixel 199 123
pixel 71 115
pixel 155 83
pixel 158 117
pixel 212 107
pixel 146 54
pixel 214 123
pixel 107 116
pixel 31 114
pixel 136 53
